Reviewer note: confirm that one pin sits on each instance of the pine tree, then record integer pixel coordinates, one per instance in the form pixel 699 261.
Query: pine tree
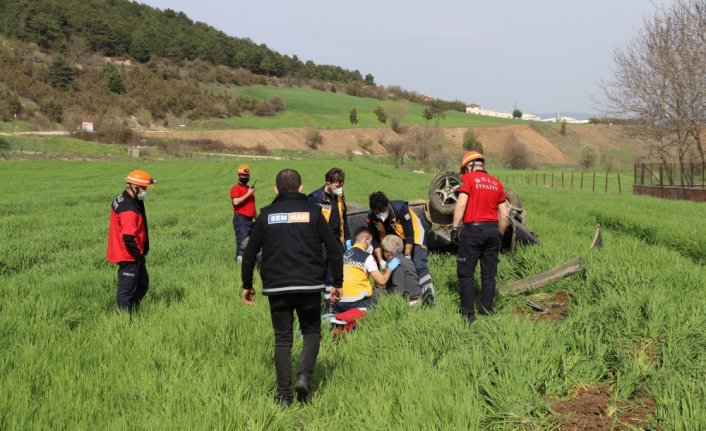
pixel 61 74
pixel 111 74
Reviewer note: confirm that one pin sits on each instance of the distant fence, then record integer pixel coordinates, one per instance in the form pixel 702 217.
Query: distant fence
pixel 592 181
pixel 671 180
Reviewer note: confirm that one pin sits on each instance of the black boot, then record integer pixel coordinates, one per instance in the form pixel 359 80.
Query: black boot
pixel 302 387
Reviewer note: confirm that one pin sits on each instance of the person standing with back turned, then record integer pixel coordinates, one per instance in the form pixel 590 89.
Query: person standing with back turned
pixel 129 242
pixel 290 232
pixel 482 209
pixel 243 199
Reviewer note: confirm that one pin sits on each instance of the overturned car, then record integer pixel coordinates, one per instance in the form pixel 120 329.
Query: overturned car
pixel 437 215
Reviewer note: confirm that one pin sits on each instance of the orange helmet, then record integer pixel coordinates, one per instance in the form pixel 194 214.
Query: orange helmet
pixel 469 157
pixel 141 178
pixel 243 170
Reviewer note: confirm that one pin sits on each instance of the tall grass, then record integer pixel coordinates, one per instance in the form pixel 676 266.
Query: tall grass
pixel 196 358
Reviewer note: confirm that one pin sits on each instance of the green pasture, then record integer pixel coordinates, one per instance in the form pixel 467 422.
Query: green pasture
pixel 326 110
pixel 60 146
pixel 197 358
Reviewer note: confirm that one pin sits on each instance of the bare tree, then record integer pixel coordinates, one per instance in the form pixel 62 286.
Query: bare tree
pixel 398 149
pixel 660 78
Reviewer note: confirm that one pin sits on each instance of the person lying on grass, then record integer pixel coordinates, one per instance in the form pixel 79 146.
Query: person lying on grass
pixel 358 265
pixel 404 280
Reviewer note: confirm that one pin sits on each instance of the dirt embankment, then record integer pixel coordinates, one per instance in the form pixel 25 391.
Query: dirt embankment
pixel 544 142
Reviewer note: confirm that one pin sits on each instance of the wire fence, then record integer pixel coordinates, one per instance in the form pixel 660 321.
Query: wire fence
pixel 670 174
pixel 686 181
pixel 593 181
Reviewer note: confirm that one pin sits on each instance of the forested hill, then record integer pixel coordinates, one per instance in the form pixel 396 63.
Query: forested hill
pixel 123 28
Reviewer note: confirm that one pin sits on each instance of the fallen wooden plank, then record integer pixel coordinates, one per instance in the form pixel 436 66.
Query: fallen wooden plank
pixel 542 279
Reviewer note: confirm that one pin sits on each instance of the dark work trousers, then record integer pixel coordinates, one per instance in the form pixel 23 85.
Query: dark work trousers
pixel 328 280
pixel 308 308
pixel 242 226
pixel 479 241
pixel 420 257
pixel 133 282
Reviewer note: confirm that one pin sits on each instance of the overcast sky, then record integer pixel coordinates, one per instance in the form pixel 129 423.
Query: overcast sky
pixel 541 56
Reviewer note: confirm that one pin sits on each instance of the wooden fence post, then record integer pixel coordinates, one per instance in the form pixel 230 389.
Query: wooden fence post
pixel 581 188
pixel 594 182
pixel 562 180
pixel 606 181
pixel 572 180
pixel 620 191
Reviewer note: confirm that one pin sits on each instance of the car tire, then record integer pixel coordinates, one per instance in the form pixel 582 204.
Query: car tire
pixel 443 192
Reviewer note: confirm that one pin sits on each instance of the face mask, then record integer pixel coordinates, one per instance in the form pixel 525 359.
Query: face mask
pixel 338 191
pixel 243 180
pixel 141 194
pixel 369 249
pixel 383 216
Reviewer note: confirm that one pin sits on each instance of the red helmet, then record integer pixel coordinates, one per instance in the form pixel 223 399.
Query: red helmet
pixel 469 157
pixel 141 178
pixel 243 171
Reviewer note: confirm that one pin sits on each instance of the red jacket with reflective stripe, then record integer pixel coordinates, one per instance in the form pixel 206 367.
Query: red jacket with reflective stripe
pixel 127 230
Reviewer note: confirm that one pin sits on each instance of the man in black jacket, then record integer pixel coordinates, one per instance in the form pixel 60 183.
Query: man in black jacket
pixel 290 233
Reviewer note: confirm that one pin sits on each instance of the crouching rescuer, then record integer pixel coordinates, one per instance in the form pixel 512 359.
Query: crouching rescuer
pixel 482 209
pixel 128 240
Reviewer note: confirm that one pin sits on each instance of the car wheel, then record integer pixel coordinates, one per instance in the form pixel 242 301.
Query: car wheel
pixel 443 192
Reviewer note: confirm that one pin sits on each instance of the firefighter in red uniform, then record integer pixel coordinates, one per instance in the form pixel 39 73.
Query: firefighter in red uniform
pixel 482 209
pixel 242 197
pixel 128 240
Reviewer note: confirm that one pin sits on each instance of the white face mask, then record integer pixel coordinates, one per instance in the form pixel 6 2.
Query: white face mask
pixel 369 249
pixel 383 216
pixel 141 194
pixel 337 192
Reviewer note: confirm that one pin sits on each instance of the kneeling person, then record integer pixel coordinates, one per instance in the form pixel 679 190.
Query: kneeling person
pixel 404 280
pixel 358 265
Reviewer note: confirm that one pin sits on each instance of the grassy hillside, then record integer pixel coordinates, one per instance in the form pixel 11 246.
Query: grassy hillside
pixel 331 110
pixel 197 358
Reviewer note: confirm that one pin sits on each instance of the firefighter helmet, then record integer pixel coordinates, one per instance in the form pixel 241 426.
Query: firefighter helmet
pixel 141 178
pixel 471 156
pixel 243 171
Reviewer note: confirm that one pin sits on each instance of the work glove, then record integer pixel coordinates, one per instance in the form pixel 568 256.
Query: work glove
pixel 383 265
pixel 393 263
pixel 348 244
pixel 455 238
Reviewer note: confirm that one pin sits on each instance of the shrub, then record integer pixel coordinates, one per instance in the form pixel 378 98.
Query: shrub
pixel 365 144
pixel 276 103
pixel 144 117
pixel 353 116
pixel 517 114
pixel 53 111
pixel 398 149
pixel 313 136
pixel 112 127
pixel 381 114
pixel 587 157
pixel 516 154
pixel 471 142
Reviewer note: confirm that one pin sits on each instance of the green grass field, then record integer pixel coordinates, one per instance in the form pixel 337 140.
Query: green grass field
pixel 328 110
pixel 197 358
